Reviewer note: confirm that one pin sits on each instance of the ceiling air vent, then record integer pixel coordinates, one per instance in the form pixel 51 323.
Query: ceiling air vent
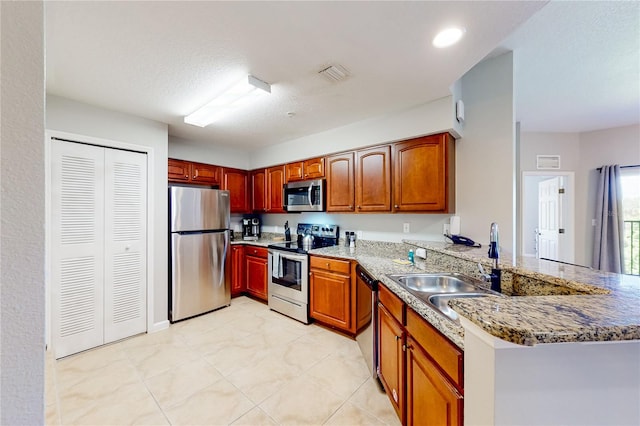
pixel 548 162
pixel 335 73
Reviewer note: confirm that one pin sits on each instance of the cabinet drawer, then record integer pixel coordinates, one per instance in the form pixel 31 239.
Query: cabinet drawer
pixel 256 251
pixel 447 355
pixel 333 265
pixel 393 303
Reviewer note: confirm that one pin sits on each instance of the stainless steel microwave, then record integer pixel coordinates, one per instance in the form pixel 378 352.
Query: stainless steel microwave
pixel 304 196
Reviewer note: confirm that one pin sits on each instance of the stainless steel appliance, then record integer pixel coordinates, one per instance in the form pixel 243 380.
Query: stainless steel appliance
pixel 288 269
pixel 367 338
pixel 199 242
pixel 304 196
pixel 251 228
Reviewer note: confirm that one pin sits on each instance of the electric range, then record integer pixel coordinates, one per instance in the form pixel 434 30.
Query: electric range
pixel 288 269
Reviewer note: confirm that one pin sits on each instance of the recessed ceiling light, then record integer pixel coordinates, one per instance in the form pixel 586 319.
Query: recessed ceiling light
pixel 448 37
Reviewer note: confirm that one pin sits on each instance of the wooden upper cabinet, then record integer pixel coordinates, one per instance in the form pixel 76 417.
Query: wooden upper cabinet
pixel 373 179
pixel 190 172
pixel 424 174
pixel 237 183
pixel 179 170
pixel 294 171
pixel 275 181
pixel 259 190
pixel 303 170
pixel 313 168
pixel 205 174
pixel 340 182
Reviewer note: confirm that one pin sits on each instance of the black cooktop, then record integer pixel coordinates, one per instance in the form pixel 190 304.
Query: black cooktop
pixel 323 236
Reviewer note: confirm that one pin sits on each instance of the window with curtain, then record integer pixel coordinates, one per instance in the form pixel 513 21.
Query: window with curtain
pixel 630 183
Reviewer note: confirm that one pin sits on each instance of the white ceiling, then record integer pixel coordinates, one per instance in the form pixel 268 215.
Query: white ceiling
pixel 162 60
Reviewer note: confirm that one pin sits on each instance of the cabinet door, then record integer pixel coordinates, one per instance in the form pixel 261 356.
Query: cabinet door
pixel 205 174
pixel 313 168
pixel 431 399
pixel 423 174
pixel 330 298
pixel 294 171
pixel 238 284
pixel 340 183
pixel 391 368
pixel 275 181
pixel 179 170
pixel 373 179
pixel 237 183
pixel 256 274
pixel 259 190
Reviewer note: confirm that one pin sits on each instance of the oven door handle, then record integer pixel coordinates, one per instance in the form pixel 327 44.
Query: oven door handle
pixel 286 255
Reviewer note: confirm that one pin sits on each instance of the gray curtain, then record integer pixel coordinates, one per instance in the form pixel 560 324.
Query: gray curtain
pixel 608 242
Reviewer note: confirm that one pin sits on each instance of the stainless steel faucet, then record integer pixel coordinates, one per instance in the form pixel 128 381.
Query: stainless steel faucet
pixel 494 253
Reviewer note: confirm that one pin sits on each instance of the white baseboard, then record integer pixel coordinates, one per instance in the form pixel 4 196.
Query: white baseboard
pixel 159 326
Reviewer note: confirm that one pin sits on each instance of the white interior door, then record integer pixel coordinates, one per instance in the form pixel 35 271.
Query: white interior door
pixel 548 218
pixel 77 244
pixel 98 245
pixel 125 244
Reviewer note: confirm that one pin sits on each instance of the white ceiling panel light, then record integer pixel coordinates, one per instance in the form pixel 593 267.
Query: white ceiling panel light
pixel 241 93
pixel 448 36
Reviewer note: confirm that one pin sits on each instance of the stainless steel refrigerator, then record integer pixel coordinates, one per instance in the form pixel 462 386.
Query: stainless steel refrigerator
pixel 199 243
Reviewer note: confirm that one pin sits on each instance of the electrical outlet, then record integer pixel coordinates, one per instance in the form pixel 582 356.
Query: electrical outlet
pixel 359 234
pixel 445 229
pixel 406 227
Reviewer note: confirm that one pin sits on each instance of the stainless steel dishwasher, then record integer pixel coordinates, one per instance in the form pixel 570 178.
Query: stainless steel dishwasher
pixel 368 337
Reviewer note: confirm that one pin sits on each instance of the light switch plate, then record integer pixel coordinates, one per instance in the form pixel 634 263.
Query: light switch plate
pixel 406 227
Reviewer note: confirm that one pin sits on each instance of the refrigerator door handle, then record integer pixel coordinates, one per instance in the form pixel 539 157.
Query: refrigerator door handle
pixel 223 260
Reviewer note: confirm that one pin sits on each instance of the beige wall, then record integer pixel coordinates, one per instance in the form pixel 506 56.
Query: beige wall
pixel 22 213
pixel 485 156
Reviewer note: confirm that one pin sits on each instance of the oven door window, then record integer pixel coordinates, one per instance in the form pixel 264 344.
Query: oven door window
pixel 291 274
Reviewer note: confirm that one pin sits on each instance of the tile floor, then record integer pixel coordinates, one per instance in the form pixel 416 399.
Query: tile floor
pixel 241 365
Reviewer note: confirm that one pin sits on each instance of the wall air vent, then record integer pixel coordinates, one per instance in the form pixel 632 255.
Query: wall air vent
pixel 548 162
pixel 335 73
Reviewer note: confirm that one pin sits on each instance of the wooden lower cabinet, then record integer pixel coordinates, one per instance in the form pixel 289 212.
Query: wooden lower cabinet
pixel 238 281
pixel 330 292
pixel 431 399
pixel 256 271
pixel 420 369
pixel 391 364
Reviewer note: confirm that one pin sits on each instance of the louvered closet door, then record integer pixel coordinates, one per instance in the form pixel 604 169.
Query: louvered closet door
pixel 77 245
pixel 125 244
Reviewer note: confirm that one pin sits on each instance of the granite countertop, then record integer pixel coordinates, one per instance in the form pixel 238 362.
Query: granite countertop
pixel 610 313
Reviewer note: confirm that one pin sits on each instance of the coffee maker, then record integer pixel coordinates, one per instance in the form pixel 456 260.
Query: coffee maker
pixel 251 228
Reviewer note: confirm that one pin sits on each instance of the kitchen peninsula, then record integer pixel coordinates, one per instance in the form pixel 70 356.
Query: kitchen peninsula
pixel 563 348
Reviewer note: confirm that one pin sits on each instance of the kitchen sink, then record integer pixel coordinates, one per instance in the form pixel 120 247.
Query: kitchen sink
pixel 436 283
pixel 436 289
pixel 439 301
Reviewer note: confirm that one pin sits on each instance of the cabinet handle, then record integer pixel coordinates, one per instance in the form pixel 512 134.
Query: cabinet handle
pixel 359 207
pixel 396 206
pixel 397 337
pixel 328 266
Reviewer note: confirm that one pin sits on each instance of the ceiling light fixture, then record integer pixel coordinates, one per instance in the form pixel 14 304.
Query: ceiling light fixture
pixel 232 98
pixel 448 37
